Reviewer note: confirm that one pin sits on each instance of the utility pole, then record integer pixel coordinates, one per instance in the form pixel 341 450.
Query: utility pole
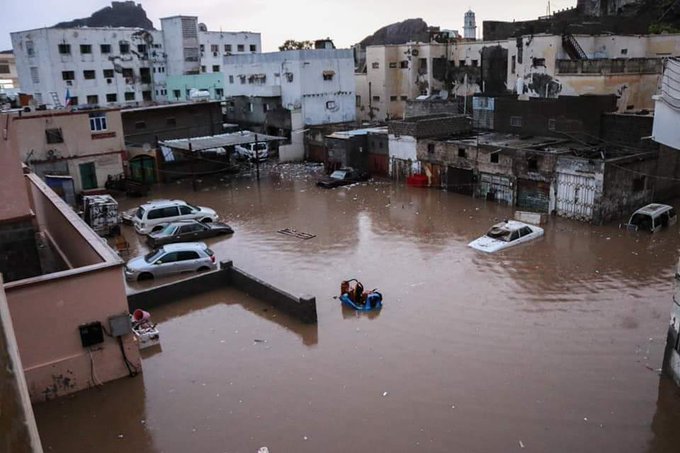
pixel 193 167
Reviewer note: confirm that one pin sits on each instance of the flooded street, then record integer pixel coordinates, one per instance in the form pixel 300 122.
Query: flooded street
pixel 549 346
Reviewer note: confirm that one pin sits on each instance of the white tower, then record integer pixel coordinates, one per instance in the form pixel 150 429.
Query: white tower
pixel 470 28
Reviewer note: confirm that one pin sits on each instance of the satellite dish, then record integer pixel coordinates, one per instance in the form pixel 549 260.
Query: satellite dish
pixel 202 27
pixel 444 94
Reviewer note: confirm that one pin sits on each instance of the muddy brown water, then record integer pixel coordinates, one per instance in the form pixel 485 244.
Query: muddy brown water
pixel 549 346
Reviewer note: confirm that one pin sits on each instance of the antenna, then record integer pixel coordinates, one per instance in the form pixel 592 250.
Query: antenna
pixel 548 7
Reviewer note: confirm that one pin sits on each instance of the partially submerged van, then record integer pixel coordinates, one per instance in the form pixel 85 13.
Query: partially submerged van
pixel 652 218
pixel 252 151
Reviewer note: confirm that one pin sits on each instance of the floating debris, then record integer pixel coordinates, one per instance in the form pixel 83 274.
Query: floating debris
pixel 297 234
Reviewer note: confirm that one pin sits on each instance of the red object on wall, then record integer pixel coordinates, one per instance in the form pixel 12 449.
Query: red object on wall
pixel 417 181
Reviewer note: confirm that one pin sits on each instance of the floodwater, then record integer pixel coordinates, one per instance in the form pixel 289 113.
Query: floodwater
pixel 550 346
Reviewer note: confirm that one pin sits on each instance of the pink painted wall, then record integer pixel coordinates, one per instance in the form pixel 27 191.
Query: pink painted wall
pixel 46 316
pixel 11 175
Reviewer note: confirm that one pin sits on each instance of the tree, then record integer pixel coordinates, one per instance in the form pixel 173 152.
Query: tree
pixel 292 44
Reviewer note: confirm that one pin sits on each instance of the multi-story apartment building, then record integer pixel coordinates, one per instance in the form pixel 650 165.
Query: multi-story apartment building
pixel 8 71
pixel 119 66
pixel 319 83
pixel 541 65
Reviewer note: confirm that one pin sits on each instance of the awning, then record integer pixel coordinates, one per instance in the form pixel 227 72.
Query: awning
pixel 218 141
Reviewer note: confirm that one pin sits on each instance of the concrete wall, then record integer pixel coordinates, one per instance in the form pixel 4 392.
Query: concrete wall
pixel 179 86
pixel 18 431
pixel 17 206
pixel 619 199
pixel 431 126
pixel 671 360
pixel 171 121
pixel 302 308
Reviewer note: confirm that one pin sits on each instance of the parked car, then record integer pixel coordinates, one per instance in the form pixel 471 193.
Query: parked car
pixel 149 216
pixel 652 218
pixel 171 259
pixel 506 234
pixel 187 231
pixel 252 151
pixel 342 177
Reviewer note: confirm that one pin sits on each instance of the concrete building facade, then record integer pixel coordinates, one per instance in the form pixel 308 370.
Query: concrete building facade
pixel 87 145
pixel 319 82
pixel 9 79
pixel 120 66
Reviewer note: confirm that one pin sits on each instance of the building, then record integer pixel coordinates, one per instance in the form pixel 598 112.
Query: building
pixel 470 26
pixel 86 145
pixel 62 281
pixel 121 66
pixel 351 149
pixel 8 71
pixel 319 82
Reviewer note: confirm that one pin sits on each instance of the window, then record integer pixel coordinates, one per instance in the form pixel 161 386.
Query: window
pixel 393 65
pixel 93 99
pixel 88 74
pixel 404 98
pixel 461 63
pixel 97 122
pixel 461 152
pixel 219 92
pixel 146 95
pixel 376 98
pixel 130 96
pixel 538 62
pixel 639 184
pixel 216 68
pixel 253 48
pixel 170 211
pixel 35 73
pixel 128 73
pixel 30 50
pixel 330 105
pixel 4 69
pixel 513 65
pixel 227 47
pixel 551 124
pixel 249 106
pixel 124 47
pixel 403 64
pixel 624 51
pixel 111 97
pixel 202 48
pixel 185 210
pixel 524 231
pixel 141 48
pixel 202 68
pixel 140 125
pixel 187 255
pixel 68 75
pixel 108 73
pixel 516 121
pixel 358 101
pixel 73 100
pixel 240 48
pixel 65 49
pixel 375 65
pixel 171 121
pixel 475 63
pixel 105 48
pixel 493 157
pixel 393 98
pixel 54 135
pixel 532 163
pixel 85 49
pixel 231 79
pixel 430 148
pixel 265 107
pixel 328 75
pixel 176 93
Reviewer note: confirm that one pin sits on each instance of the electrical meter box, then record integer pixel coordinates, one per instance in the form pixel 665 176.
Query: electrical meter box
pixel 91 334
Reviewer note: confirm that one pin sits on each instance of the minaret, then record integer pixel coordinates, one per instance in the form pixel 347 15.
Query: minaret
pixel 470 28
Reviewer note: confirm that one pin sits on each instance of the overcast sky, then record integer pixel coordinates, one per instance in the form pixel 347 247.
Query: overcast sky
pixel 344 21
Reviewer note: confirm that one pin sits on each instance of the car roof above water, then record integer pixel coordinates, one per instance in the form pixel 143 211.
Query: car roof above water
pixel 184 246
pixel 653 209
pixel 161 203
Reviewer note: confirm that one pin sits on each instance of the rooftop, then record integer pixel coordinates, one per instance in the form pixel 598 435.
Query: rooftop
pixel 218 141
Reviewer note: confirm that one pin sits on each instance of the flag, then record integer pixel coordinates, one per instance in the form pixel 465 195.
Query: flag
pixel 67 100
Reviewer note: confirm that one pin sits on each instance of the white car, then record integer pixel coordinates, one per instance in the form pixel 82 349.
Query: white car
pixel 252 151
pixel 150 216
pixel 171 259
pixel 506 234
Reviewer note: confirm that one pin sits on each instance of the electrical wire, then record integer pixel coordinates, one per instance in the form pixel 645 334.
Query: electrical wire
pixel 93 373
pixel 132 369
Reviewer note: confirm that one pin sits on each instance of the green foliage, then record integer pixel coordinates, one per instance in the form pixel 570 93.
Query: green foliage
pixel 658 28
pixel 292 44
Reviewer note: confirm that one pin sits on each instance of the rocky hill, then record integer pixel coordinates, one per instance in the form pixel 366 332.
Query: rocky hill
pixel 119 14
pixel 398 33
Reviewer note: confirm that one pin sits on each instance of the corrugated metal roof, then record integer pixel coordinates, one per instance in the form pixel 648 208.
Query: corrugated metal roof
pixel 218 141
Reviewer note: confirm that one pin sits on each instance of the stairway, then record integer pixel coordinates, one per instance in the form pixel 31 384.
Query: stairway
pixel 572 47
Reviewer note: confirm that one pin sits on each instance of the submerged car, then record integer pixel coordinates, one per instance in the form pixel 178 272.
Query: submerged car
pixel 171 259
pixel 252 151
pixel 506 234
pixel 342 177
pixel 187 231
pixel 652 218
pixel 149 216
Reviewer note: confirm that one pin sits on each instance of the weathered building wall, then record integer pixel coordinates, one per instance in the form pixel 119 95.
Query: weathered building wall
pixel 403 156
pixel 629 130
pixel 626 188
pixel 18 431
pixel 143 125
pixel 433 107
pixel 431 126
pixel 378 154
